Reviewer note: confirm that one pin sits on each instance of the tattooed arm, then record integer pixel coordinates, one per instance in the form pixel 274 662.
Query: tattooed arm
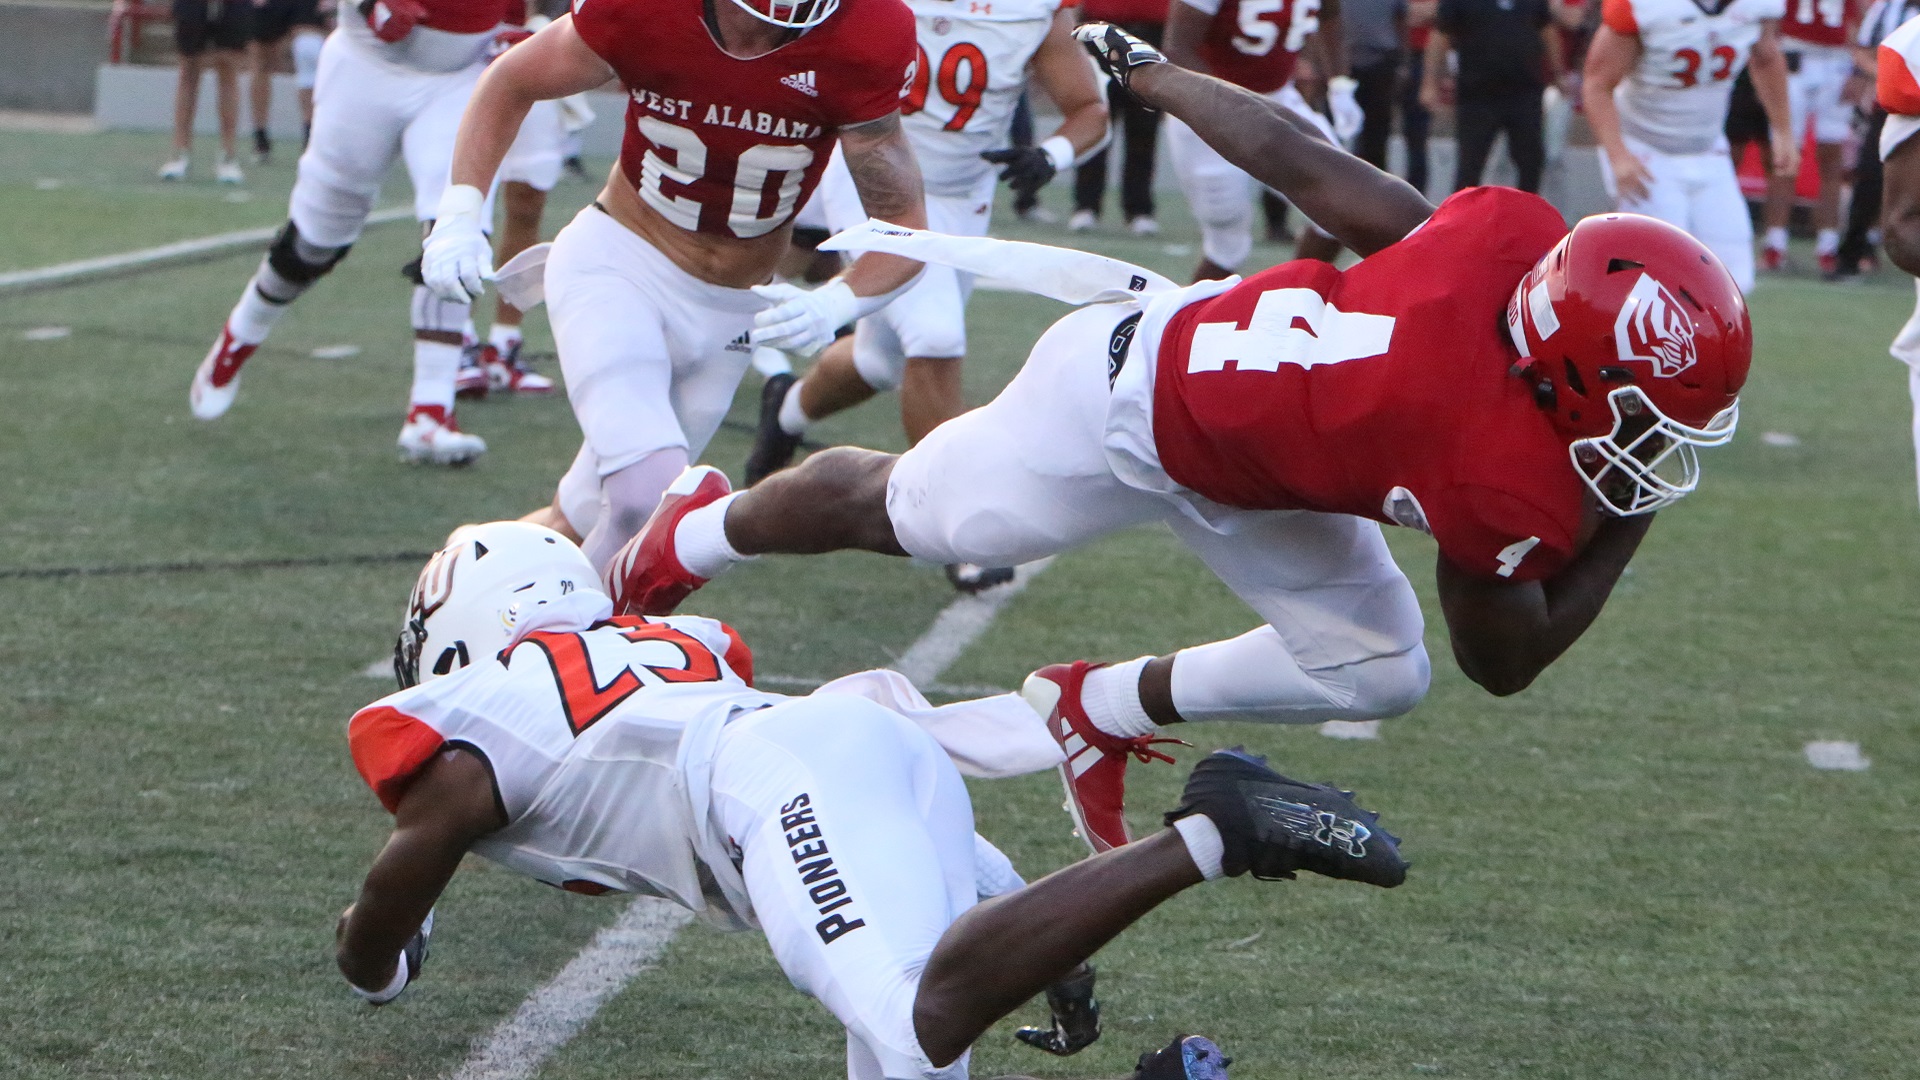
pixel 887 176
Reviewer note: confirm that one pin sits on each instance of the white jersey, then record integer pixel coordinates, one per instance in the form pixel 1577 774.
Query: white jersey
pixel 600 742
pixel 1675 99
pixel 972 70
pixel 1896 88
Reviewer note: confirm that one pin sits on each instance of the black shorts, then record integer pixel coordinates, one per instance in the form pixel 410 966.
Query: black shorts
pixel 1746 118
pixel 275 19
pixel 199 25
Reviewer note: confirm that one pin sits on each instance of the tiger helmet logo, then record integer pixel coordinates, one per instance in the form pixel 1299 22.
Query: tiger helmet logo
pixel 1653 327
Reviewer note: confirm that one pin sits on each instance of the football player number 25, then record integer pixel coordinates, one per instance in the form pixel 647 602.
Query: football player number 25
pixel 1259 34
pixel 964 97
pixel 1720 60
pixel 585 699
pixel 759 164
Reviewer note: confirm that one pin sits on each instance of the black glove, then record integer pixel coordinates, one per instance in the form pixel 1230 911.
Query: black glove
pixel 1076 1016
pixel 1118 53
pixel 1028 168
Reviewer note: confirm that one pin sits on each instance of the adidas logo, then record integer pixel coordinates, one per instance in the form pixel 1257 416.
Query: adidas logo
pixel 740 344
pixel 803 82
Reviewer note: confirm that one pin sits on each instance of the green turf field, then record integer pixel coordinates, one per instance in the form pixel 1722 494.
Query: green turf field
pixel 1628 871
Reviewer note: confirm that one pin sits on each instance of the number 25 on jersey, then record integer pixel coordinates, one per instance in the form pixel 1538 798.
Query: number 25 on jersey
pixel 649 647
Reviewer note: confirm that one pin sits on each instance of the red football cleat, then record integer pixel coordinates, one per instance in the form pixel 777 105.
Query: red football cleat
pixel 1830 264
pixel 1095 772
pixel 217 379
pixel 1773 260
pixel 645 576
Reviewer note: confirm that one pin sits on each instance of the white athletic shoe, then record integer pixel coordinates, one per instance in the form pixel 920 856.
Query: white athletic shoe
pixel 217 380
pixel 175 169
pixel 1144 225
pixel 228 172
pixel 430 437
pixel 1082 221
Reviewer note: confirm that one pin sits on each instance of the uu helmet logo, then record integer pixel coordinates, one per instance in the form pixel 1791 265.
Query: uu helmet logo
pixel 1652 327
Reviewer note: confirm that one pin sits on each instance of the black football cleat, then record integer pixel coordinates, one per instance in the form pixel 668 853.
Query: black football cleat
pixel 1076 1016
pixel 1187 1057
pixel 970 579
pixel 773 448
pixel 1273 826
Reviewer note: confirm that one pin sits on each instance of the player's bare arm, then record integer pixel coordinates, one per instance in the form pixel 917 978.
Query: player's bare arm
pixel 1362 207
pixel 1186 29
pixel 887 175
pixel 1900 211
pixel 1610 59
pixel 1060 68
pixel 1505 633
pixel 1768 66
pixel 448 806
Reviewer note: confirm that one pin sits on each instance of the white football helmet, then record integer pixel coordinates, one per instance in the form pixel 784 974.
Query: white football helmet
pixel 481 590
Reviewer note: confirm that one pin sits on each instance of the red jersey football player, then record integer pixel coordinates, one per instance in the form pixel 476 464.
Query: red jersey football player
pixel 1817 38
pixel 1526 395
pixel 658 292
pixel 1255 44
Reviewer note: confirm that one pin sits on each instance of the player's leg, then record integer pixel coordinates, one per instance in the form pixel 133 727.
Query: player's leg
pixel 1802 86
pixel 1476 122
pixel 307 44
pixel 1718 214
pixel 271 34
pixel 531 168
pixel 1832 127
pixel 357 134
pixel 431 434
pixel 1525 121
pixel 1220 196
pixel 190 34
pixel 226 69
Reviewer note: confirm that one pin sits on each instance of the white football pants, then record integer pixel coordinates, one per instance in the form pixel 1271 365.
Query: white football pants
pixel 858 850
pixel 1027 475
pixel 1699 193
pixel 1220 194
pixel 1906 349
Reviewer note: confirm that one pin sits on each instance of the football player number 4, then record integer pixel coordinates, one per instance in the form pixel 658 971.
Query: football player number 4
pixel 964 97
pixel 585 699
pixel 758 165
pixel 1259 34
pixel 1719 61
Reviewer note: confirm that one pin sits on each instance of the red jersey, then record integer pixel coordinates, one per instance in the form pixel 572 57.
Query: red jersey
pixel 1820 22
pixel 462 16
pixel 732 147
pixel 1382 392
pixel 1255 43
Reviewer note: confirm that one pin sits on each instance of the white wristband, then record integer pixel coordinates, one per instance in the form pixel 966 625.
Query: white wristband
pixel 1204 844
pixel 1059 150
pixel 391 990
pixel 460 200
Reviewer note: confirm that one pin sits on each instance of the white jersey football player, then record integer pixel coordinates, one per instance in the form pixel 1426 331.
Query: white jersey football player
pixel 1898 90
pixel 975 62
pixel 393 78
pixel 633 755
pixel 1658 77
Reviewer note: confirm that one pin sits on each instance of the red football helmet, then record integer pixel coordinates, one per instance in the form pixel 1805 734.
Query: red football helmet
pixel 792 14
pixel 1636 341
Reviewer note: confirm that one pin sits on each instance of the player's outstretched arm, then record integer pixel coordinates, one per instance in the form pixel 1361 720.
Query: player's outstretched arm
pixel 1505 633
pixel 1364 208
pixel 1768 67
pixel 1610 58
pixel 449 805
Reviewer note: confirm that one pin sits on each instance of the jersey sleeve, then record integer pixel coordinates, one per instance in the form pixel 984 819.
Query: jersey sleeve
pixel 602 24
pixel 388 747
pixel 1619 17
pixel 884 66
pixel 1895 86
pixel 1491 534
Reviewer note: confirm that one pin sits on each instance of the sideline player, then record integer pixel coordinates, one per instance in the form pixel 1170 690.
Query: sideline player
pixel 656 293
pixel 1817 43
pixel 1898 91
pixel 958 114
pixel 604 754
pixel 393 78
pixel 1254 44
pixel 1658 77
pixel 1525 395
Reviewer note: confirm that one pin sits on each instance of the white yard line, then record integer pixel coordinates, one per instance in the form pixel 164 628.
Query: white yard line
pixel 61 273
pixel 557 1011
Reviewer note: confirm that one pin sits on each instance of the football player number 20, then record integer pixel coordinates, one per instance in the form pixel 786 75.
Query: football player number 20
pixel 1690 60
pixel 582 695
pixel 759 164
pixel 1259 34
pixel 965 98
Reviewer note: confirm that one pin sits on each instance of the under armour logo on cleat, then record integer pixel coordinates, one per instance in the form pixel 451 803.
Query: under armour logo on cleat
pixel 1319 826
pixel 801 81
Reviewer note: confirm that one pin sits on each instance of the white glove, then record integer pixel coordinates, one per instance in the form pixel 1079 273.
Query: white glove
pixel 413 957
pixel 1347 114
pixel 803 320
pixel 457 260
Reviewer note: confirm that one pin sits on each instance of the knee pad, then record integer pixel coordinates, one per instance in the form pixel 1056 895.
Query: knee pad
pixel 435 315
pixel 293 264
pixel 874 358
pixel 935 334
pixel 306 58
pixel 1389 686
pixel 1227 247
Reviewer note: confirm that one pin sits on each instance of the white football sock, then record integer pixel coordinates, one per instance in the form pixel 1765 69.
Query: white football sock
pixel 1777 237
pixel 1111 696
pixel 793 419
pixel 435 364
pixel 1826 242
pixel 503 337
pixel 1204 845
pixel 700 540
pixel 253 317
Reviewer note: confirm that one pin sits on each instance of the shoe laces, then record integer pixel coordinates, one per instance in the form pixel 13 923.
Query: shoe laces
pixel 1142 748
